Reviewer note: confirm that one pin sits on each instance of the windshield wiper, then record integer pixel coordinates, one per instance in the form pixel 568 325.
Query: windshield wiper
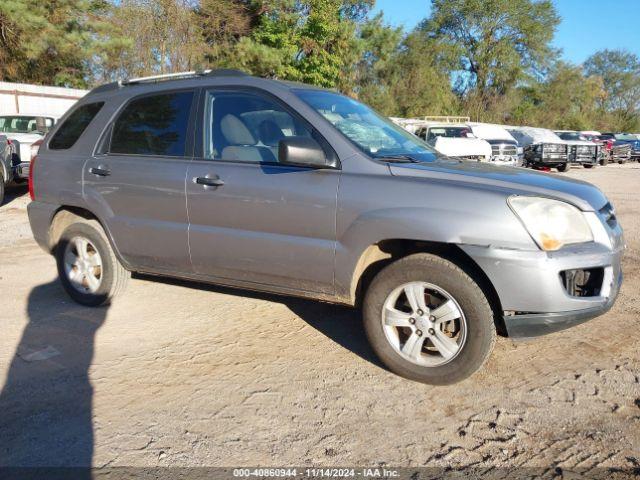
pixel 398 158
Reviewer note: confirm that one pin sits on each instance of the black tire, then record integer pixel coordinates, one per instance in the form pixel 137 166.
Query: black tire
pixel 113 277
pixel 480 326
pixel 563 168
pixel 588 165
pixel 2 188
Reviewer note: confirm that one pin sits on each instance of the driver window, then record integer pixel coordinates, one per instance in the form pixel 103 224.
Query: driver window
pixel 246 127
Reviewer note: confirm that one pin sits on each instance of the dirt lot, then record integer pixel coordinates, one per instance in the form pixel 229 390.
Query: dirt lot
pixel 185 375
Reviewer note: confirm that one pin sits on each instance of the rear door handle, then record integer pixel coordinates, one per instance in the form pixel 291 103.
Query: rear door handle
pixel 100 171
pixel 209 181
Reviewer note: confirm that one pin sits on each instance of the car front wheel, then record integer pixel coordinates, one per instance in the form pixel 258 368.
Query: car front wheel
pixel 428 321
pixel 87 266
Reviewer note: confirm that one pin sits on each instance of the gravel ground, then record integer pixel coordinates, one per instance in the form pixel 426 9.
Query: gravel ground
pixel 176 374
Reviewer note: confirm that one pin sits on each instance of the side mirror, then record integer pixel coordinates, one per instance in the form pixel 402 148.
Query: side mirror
pixel 303 152
pixel 41 125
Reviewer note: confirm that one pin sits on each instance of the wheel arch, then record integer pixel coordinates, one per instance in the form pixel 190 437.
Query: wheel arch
pixel 66 215
pixel 377 256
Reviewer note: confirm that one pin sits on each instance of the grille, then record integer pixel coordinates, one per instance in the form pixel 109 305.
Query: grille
pixel 554 148
pixel 583 283
pixel 509 150
pixel 609 215
pixel 621 150
pixel 586 150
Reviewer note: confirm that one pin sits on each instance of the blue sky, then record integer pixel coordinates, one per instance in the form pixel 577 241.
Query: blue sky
pixel 587 25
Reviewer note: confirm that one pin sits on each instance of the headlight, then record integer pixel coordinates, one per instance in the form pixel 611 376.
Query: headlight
pixel 551 223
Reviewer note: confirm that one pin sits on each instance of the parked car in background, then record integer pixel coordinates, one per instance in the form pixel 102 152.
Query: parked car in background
pixel 7 154
pixel 456 141
pixel 504 148
pixel 620 150
pixel 542 148
pixel 254 183
pixel 582 151
pixel 604 146
pixel 26 130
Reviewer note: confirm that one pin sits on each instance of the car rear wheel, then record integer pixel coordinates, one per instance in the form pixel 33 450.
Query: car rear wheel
pixel 1 188
pixel 428 321
pixel 563 167
pixel 87 266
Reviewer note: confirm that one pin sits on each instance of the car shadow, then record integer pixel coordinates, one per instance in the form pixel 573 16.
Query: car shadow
pixel 341 324
pixel 13 192
pixel 46 401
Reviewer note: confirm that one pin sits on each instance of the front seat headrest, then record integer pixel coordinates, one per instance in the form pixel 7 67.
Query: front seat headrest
pixel 235 131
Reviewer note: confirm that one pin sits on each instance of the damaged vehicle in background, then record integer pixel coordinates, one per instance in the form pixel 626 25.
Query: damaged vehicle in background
pixel 455 141
pixel 620 140
pixel 542 148
pixel 504 148
pixel 581 150
pixel 26 129
pixel 7 154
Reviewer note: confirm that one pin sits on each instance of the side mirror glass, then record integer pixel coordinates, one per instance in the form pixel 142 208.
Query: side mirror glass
pixel 303 152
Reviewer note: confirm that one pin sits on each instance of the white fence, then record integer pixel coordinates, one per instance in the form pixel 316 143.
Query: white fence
pixel 37 99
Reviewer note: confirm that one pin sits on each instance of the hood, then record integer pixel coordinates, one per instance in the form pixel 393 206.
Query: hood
pixel 519 181
pixel 25 137
pixel 579 142
pixel 458 147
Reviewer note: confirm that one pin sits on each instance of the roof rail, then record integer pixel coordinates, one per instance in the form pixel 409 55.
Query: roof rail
pixel 223 72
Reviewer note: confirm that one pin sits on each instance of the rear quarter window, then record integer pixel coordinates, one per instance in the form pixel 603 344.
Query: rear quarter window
pixel 153 125
pixel 75 124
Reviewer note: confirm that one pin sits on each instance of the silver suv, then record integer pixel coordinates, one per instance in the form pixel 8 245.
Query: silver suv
pixel 266 185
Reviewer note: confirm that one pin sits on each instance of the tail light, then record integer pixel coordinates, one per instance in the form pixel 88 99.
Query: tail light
pixel 32 166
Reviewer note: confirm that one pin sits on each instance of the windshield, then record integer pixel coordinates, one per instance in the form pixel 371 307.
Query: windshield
pixel 372 133
pixel 521 137
pixel 626 136
pixel 570 136
pixel 21 124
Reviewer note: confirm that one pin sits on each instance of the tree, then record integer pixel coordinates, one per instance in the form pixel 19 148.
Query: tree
pixel 620 74
pixel 45 42
pixel 498 43
pixel 565 100
pixel 312 41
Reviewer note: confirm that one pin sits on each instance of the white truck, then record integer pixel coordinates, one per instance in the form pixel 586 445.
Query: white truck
pixel 504 148
pixel 448 135
pixel 27 112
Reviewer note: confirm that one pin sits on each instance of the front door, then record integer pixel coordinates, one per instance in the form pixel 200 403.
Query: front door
pixel 137 185
pixel 251 219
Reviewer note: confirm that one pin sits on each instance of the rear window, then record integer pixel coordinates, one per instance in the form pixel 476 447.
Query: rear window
pixel 153 125
pixel 69 132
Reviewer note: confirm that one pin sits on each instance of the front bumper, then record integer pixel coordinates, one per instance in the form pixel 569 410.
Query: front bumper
pixel 537 324
pixel 21 170
pixel 531 291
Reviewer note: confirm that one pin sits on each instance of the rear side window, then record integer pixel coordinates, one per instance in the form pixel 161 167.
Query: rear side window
pixel 153 125
pixel 69 132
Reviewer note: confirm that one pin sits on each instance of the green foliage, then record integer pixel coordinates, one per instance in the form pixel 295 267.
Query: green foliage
pixel 497 42
pixel 489 59
pixel 45 42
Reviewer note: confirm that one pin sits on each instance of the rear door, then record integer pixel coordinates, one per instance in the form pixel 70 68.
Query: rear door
pixel 252 219
pixel 136 182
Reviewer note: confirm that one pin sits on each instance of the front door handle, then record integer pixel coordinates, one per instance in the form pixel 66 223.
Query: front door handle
pixel 100 171
pixel 209 181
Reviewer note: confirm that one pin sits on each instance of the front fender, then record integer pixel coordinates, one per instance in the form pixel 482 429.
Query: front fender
pixel 437 214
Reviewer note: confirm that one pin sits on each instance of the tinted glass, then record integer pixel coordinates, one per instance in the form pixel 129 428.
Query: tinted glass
pixel 247 127
pixel 372 133
pixel 153 125
pixel 74 125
